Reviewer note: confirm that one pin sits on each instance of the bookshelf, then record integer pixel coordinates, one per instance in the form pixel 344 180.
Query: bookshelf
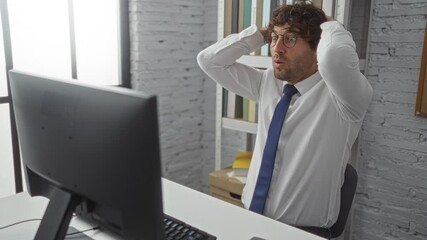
pixel 232 18
pixel 239 125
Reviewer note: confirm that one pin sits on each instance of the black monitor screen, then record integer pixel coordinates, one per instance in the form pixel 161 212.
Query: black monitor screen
pixel 91 150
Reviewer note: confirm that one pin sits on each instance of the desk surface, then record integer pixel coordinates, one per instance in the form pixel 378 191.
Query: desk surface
pixel 224 220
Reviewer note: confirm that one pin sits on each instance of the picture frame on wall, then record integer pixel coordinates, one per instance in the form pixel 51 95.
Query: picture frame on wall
pixel 421 104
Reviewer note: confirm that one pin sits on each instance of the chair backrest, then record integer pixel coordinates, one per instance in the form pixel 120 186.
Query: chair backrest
pixel 348 191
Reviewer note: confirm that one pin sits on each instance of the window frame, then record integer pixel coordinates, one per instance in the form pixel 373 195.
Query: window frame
pixel 124 69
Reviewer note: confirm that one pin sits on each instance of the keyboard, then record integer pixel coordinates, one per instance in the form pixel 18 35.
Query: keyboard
pixel 178 230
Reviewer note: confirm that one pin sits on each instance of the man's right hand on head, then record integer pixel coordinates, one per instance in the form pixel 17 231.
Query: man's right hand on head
pixel 264 31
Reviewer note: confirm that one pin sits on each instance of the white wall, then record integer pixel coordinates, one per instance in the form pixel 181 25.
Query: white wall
pixel 391 201
pixel 165 39
pixel 209 96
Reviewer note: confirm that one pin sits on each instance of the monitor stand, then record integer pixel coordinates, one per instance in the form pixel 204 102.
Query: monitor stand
pixel 57 216
pixel 79 235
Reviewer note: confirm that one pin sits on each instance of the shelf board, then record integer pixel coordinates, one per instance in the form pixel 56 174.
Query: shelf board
pixel 256 61
pixel 239 125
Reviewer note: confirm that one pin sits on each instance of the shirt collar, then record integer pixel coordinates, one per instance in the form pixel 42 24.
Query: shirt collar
pixel 306 84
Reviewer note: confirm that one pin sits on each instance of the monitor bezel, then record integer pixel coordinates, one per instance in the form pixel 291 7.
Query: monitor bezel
pixel 140 204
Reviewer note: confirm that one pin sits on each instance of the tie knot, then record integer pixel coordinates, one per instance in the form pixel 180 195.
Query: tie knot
pixel 289 90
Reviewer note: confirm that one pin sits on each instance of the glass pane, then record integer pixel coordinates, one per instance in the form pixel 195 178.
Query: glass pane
pixel 3 80
pixel 97 41
pixel 7 181
pixel 40 36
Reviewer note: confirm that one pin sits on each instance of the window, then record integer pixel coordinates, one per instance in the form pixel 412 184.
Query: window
pixel 7 185
pixel 94 63
pixel 82 39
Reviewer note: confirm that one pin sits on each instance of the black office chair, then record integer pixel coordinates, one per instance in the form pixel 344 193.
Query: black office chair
pixel 348 190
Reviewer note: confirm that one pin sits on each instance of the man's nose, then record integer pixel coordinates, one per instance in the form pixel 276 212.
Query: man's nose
pixel 279 46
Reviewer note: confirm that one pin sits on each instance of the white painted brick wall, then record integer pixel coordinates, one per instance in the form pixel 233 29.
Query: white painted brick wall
pixel 165 39
pixel 391 199
pixel 209 92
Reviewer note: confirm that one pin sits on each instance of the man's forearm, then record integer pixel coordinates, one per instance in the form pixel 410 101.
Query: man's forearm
pixel 219 62
pixel 226 51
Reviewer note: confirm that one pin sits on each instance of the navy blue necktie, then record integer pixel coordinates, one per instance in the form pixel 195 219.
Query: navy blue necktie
pixel 269 156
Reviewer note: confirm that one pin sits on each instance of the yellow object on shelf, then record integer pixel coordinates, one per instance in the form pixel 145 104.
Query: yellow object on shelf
pixel 241 163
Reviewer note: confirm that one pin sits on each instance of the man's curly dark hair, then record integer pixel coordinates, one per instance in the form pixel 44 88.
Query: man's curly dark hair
pixel 303 18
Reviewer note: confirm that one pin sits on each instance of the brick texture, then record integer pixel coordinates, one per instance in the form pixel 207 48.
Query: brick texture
pixel 391 199
pixel 165 39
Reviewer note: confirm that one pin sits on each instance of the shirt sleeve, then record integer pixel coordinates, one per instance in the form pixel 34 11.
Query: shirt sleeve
pixel 219 62
pixel 338 65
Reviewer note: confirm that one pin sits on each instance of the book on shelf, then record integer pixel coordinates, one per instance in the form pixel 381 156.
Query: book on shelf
pixel 257 6
pixel 228 17
pixel 241 164
pixel 252 111
pixel 247 13
pixel 231 21
pixel 241 12
pixel 224 101
pixel 245 109
pixel 234 105
pixel 249 110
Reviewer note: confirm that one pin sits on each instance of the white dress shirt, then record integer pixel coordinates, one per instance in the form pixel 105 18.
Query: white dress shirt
pixel 320 128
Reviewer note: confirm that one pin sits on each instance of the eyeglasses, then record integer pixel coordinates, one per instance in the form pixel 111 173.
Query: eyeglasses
pixel 289 40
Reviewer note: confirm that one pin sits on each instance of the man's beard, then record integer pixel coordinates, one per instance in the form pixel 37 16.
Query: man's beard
pixel 293 70
pixel 283 74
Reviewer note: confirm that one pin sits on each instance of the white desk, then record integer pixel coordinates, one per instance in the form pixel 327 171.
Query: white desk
pixel 221 219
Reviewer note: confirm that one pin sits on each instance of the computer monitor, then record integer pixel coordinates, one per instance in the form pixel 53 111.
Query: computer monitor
pixel 91 150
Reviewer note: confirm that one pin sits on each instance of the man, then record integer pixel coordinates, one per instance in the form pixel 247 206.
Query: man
pixel 316 55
